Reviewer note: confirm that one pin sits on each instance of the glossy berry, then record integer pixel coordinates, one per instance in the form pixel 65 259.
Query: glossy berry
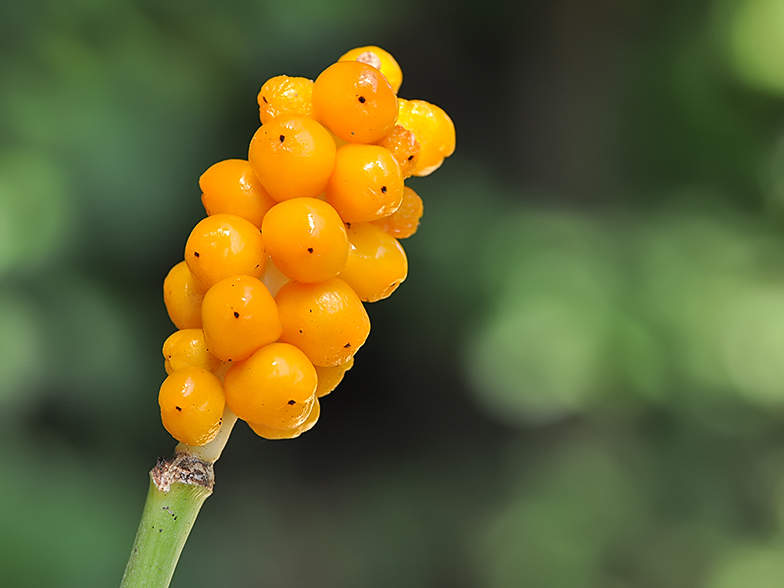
pixel 381 60
pixel 366 183
pixel 376 264
pixel 191 401
pixel 434 131
pixel 224 245
pixel 231 187
pixel 285 95
pixel 274 434
pixel 404 222
pixel 182 295
pixel 306 239
pixel 403 146
pixel 326 320
pixel 355 101
pixel 292 156
pixel 329 377
pixel 186 348
pixel 239 316
pixel 275 387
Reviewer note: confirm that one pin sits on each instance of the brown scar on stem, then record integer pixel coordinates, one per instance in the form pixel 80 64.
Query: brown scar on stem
pixel 182 468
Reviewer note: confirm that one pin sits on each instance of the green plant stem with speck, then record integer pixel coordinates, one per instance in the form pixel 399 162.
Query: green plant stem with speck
pixel 178 488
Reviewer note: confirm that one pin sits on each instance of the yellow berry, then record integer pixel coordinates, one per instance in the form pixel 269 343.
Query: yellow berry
pixel 330 376
pixel 224 245
pixel 403 146
pixel 404 222
pixel 325 320
pixel 186 348
pixel 434 131
pixel 182 295
pixel 379 59
pixel 306 239
pixel 231 187
pixel 273 434
pixel 366 183
pixel 239 316
pixel 275 387
pixel 376 264
pixel 292 156
pixel 285 95
pixel 191 401
pixel 355 101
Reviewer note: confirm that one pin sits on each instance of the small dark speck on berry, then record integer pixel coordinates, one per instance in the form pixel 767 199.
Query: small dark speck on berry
pixel 310 249
pixel 383 189
pixel 282 138
pixel 236 314
pixel 347 345
pixel 196 253
pixel 362 99
pixel 265 100
pixel 178 409
pixel 410 157
pixel 292 402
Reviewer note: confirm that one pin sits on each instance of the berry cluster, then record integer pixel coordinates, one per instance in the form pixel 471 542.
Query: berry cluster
pixel 269 299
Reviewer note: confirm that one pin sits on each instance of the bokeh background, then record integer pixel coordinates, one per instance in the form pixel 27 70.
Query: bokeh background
pixel 580 385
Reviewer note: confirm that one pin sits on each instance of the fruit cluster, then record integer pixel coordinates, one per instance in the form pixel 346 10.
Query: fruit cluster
pixel 269 299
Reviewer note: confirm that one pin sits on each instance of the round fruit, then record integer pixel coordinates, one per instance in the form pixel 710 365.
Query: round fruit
pixel 434 131
pixel 293 157
pixel 231 187
pixel 192 403
pixel 224 245
pixel 186 348
pixel 404 222
pixel 273 434
pixel 285 95
pixel 329 377
pixel 275 387
pixel 239 316
pixel 403 146
pixel 379 59
pixel 376 264
pixel 366 183
pixel 326 320
pixel 306 239
pixel 182 295
pixel 355 101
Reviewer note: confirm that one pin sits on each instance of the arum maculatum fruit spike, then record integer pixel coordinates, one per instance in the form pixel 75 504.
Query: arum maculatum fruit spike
pixel 269 298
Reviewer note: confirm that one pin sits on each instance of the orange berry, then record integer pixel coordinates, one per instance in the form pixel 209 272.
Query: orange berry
pixel 366 183
pixel 232 187
pixel 404 222
pixel 275 387
pixel 355 101
pixel 273 278
pixel 239 316
pixel 379 59
pixel 403 147
pixel 326 320
pixel 186 348
pixel 191 401
pixel 285 95
pixel 306 239
pixel 376 264
pixel 182 295
pixel 434 131
pixel 273 434
pixel 293 156
pixel 330 376
pixel 224 245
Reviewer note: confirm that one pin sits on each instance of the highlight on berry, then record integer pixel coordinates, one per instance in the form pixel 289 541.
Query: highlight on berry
pixel 269 298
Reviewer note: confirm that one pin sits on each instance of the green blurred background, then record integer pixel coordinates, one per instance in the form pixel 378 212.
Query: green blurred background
pixel 581 384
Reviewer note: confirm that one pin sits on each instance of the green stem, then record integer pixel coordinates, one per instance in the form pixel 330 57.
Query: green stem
pixel 178 488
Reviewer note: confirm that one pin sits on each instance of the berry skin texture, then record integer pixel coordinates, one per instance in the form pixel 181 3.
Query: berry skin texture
pixel 327 321
pixel 292 156
pixel 186 348
pixel 231 187
pixel 366 183
pixel 376 264
pixel 182 295
pixel 285 95
pixel 273 278
pixel 224 245
pixel 355 101
pixel 239 316
pixel 434 131
pixel 330 377
pixel 404 222
pixel 306 239
pixel 403 146
pixel 379 59
pixel 274 434
pixel 275 387
pixel 191 401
